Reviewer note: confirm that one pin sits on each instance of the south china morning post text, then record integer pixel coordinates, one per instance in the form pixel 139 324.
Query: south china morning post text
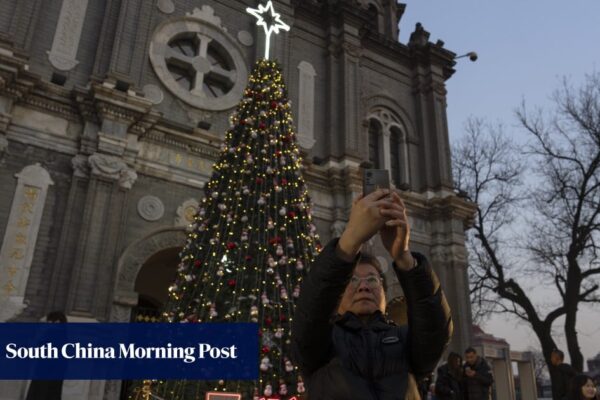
pixel 129 351
pixel 69 351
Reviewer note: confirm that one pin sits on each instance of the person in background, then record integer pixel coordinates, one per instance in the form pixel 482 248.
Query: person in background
pixel 583 387
pixel 46 389
pixel 561 374
pixel 449 383
pixel 478 377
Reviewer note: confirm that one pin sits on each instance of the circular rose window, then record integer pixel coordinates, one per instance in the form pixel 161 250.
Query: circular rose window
pixel 199 63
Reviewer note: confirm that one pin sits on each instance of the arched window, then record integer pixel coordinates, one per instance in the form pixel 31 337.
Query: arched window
pixel 375 130
pixel 395 156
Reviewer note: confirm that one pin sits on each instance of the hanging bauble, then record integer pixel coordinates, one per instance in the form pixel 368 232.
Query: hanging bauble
pixel 283 181
pixel 282 261
pixel 291 214
pixel 300 387
pixel 262 125
pixel 264 299
pixel 231 245
pixel 231 283
pixel 215 195
pixel 274 105
pixel 270 224
pixel 254 311
pixel 282 211
pixel 197 263
pixel 296 292
pixel 289 367
pixel 282 388
pixel 268 390
pixel 261 201
pixel 222 207
pixel 283 294
pixel 259 180
pixel 265 364
pixel 268 321
pixel 279 250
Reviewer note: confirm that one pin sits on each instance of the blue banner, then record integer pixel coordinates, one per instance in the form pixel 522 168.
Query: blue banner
pixel 129 351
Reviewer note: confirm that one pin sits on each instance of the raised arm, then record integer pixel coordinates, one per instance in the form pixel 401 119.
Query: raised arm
pixel 429 322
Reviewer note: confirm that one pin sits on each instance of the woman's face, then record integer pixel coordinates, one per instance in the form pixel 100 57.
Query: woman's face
pixel 589 390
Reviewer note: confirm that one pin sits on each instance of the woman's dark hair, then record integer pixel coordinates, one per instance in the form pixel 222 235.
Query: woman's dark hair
pixel 576 384
pixel 56 316
pixel 453 356
pixel 368 258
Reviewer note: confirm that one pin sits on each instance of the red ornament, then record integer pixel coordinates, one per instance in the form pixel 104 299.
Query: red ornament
pixel 231 283
pixel 262 125
pixel 242 122
pixel 265 349
pixel 258 96
pixel 283 181
pixel 197 263
pixel 268 321
pixel 283 318
pixel 231 245
pixel 278 153
pixel 291 214
pixel 248 258
pixel 259 180
pixel 274 104
pixel 275 240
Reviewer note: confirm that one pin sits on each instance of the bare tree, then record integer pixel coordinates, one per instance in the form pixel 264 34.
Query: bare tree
pixel 559 243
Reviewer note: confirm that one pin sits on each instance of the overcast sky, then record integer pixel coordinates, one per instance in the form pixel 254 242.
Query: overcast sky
pixel 525 47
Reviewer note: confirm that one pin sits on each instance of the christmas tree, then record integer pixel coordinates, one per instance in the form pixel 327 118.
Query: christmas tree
pixel 251 242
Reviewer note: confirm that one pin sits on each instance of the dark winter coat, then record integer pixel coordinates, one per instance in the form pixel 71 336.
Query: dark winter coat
pixel 562 375
pixel 479 387
pixel 449 386
pixel 45 390
pixel 343 358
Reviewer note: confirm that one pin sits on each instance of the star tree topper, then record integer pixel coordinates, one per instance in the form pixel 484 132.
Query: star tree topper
pixel 269 20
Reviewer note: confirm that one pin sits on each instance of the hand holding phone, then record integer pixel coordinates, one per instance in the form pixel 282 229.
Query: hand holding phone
pixel 374 179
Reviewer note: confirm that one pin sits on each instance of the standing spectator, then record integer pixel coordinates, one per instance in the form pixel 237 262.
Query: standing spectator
pixel 48 390
pixel 449 383
pixel 478 377
pixel 583 388
pixel 561 374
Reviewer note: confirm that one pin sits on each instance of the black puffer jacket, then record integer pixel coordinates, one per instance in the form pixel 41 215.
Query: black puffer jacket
pixel 344 359
pixel 479 387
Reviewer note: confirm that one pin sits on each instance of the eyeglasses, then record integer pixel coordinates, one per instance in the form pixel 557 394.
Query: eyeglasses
pixel 372 281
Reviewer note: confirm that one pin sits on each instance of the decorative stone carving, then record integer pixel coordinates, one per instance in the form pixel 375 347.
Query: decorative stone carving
pixel 112 168
pixel 207 13
pixel 245 38
pixel 153 93
pixel 306 105
pixel 67 34
pixel 186 212
pixel 20 237
pixel 337 228
pixel 150 208
pixel 81 167
pixel 165 6
pixel 225 79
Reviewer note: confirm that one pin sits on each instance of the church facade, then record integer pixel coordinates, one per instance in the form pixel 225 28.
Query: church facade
pixel 112 113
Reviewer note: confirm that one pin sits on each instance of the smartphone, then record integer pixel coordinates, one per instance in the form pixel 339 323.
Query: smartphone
pixel 374 179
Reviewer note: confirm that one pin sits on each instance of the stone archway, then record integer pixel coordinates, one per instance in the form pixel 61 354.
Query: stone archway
pixel 130 263
pixel 125 297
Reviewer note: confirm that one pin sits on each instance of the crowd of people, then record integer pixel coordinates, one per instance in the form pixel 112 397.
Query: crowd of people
pixel 473 379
